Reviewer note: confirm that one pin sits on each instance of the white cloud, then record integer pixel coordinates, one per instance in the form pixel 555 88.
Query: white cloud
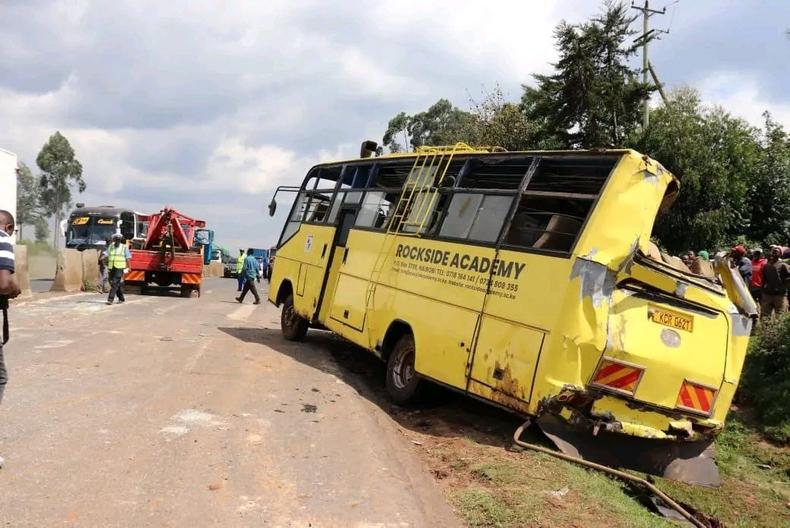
pixel 740 94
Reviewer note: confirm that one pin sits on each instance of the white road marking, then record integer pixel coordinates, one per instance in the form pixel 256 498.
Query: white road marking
pixel 177 430
pixel 54 344
pixel 242 312
pixel 197 417
pixel 193 359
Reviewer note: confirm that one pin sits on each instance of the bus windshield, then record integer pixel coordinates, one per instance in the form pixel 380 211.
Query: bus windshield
pixel 90 230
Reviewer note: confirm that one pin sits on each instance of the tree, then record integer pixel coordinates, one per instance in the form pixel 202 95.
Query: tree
pixel 715 156
pixel 42 229
pixel 593 98
pixel 61 170
pixel 768 194
pixel 499 123
pixel 27 198
pixel 441 124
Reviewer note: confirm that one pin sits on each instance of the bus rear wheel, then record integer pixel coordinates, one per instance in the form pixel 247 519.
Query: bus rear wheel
pixel 404 385
pixel 293 325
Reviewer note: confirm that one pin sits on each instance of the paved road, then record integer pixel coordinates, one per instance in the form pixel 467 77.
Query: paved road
pixel 40 285
pixel 166 411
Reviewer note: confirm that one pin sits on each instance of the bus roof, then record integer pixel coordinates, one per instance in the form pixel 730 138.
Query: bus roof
pixel 108 210
pixel 480 152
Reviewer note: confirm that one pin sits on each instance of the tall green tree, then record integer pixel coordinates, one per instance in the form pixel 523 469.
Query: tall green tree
pixel 27 198
pixel 60 172
pixel 593 98
pixel 441 124
pixel 768 193
pixel 715 156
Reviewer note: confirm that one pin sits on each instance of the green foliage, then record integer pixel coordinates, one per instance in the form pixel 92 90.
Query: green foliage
pixel 61 170
pixel 766 376
pixel 27 193
pixel 711 208
pixel 768 192
pixel 35 249
pixel 441 124
pixel 42 229
pixel 593 98
pixel 498 123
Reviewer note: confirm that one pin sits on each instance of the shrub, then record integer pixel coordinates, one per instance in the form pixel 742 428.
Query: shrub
pixel 766 377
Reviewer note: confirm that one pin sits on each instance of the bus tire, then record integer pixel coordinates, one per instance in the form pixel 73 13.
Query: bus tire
pixel 293 325
pixel 404 385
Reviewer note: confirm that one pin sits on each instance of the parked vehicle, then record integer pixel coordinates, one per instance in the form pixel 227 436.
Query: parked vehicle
pixel 168 256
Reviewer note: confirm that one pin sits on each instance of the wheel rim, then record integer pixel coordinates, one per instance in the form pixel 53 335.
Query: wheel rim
pixel 403 368
pixel 289 315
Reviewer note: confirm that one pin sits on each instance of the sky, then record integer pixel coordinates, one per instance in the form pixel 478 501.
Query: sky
pixel 209 106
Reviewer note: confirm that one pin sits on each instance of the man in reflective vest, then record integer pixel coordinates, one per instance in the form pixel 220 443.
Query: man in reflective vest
pixel 118 256
pixel 239 269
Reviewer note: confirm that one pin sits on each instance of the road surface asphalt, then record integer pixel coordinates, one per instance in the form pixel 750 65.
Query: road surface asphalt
pixel 167 411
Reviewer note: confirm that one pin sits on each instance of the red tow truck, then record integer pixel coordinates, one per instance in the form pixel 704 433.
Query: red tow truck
pixel 168 257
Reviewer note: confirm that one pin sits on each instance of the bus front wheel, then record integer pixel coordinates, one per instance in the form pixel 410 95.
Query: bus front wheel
pixel 403 383
pixel 293 325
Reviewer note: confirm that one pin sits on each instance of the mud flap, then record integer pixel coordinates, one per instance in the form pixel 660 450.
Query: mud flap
pixel 690 462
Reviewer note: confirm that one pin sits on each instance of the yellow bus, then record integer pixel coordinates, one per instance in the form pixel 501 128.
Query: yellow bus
pixel 528 280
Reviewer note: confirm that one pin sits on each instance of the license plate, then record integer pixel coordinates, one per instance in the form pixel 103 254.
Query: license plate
pixel 671 319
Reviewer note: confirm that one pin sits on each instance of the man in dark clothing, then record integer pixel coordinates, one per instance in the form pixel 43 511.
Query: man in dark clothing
pixel 8 288
pixel 250 272
pixel 776 277
pixel 739 260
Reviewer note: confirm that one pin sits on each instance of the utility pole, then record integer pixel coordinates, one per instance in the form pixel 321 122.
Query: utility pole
pixel 647 35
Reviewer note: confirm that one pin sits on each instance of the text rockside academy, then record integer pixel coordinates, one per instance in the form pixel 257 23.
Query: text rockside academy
pixel 464 261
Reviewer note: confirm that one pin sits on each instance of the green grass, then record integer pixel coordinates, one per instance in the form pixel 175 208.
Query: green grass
pixel 507 490
pixel 35 249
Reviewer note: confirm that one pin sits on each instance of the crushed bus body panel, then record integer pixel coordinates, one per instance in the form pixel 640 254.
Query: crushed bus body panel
pixel 528 280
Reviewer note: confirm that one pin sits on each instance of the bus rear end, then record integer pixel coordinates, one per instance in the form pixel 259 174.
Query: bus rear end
pixel 660 349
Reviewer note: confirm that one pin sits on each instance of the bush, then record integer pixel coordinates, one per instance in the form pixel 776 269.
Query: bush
pixel 38 248
pixel 766 377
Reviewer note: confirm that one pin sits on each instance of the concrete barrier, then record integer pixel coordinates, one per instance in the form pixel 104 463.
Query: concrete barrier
pixel 68 276
pixel 90 269
pixel 21 274
pixel 216 269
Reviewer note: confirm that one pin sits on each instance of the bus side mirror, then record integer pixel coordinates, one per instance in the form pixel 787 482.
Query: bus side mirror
pixel 272 207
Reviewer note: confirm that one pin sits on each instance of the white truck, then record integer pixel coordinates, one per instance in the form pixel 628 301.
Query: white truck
pixel 8 166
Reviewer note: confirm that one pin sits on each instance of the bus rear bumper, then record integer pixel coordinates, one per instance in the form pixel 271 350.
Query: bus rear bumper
pixel 619 433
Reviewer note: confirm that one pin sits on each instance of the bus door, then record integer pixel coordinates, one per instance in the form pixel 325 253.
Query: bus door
pixel 343 214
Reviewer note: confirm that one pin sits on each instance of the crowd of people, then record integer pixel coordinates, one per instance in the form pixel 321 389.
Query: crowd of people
pixel 767 274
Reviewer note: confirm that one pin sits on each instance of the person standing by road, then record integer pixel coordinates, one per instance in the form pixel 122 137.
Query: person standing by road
pixel 758 263
pixel 239 269
pixel 103 268
pixel 118 257
pixel 740 261
pixel 8 289
pixel 776 278
pixel 250 272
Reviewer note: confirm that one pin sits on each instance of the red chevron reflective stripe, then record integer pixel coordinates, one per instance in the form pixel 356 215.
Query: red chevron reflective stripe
pixel 695 397
pixel 617 376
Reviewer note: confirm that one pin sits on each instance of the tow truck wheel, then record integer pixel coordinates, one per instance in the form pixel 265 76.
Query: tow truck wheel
pixel 403 383
pixel 293 325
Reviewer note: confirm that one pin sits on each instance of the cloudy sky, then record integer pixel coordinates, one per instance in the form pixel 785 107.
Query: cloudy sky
pixel 208 106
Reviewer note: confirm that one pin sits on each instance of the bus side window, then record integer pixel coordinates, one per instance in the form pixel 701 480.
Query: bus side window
pixel 375 210
pixel 476 217
pixel 551 223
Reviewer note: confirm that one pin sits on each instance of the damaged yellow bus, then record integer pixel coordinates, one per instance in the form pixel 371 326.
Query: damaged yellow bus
pixel 528 280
